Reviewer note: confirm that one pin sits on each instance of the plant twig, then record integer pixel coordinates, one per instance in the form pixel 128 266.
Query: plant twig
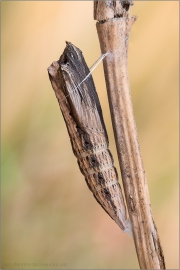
pixel 113 27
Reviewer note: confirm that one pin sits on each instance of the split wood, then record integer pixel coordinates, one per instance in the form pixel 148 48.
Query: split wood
pixel 113 27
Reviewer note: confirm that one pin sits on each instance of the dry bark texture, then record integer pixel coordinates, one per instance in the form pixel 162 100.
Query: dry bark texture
pixel 113 27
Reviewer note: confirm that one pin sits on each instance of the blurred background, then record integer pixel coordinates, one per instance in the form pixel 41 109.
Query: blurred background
pixel 50 219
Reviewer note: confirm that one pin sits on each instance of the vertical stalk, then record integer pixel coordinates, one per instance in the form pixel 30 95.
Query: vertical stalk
pixel 113 27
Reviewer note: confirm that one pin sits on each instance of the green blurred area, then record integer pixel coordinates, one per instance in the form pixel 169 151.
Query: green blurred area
pixel 50 219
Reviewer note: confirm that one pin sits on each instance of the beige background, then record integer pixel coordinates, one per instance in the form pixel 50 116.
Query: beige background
pixel 49 216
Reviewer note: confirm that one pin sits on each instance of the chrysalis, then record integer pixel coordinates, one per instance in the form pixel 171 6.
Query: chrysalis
pixel 79 103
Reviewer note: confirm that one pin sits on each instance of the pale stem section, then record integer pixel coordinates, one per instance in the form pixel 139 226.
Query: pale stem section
pixel 113 35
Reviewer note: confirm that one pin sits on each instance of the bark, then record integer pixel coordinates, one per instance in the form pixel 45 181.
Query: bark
pixel 113 27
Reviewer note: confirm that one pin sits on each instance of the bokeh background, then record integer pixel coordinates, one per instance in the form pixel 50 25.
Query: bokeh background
pixel 50 219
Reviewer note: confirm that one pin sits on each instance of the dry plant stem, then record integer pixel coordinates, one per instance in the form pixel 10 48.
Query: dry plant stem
pixel 113 27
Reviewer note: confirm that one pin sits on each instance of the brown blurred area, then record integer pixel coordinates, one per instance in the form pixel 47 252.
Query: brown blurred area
pixel 50 219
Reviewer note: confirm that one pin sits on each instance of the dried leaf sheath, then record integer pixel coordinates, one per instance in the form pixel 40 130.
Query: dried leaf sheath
pixel 82 113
